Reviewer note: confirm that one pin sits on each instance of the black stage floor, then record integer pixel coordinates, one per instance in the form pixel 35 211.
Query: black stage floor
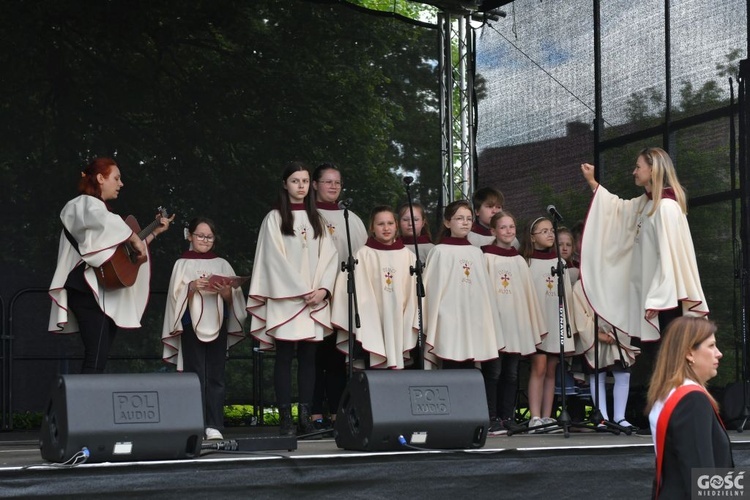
pixel 584 465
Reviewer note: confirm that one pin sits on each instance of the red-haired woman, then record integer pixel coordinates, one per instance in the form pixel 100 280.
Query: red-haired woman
pixel 91 235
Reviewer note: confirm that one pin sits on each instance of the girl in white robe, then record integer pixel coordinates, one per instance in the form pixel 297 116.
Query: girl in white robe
pixel 539 251
pixel 91 235
pixel 616 354
pixel 203 319
pixel 294 271
pixel 385 294
pixel 521 319
pixel 637 257
pixel 330 364
pixel 461 325
pixel 567 249
pixel 406 230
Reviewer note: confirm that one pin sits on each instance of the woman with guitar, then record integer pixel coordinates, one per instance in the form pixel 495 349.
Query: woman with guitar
pixel 90 294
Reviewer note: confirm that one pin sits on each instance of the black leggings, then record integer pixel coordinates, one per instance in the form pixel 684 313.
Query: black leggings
pixel 208 360
pixel 330 375
pixel 97 330
pixel 282 371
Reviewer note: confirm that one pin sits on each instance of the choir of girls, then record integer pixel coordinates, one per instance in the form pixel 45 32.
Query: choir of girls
pixel 487 305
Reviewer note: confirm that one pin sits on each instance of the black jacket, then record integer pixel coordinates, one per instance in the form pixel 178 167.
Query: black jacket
pixel 695 439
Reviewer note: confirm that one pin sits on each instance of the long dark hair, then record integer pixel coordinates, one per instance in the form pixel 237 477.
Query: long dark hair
pixel 285 209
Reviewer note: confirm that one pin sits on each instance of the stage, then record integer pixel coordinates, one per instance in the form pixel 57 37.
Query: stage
pixel 586 464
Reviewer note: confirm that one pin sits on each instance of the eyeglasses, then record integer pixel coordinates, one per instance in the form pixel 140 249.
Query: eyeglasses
pixel 545 232
pixel 203 237
pixel 329 182
pixel 463 219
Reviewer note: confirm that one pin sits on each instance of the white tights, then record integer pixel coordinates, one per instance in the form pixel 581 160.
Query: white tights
pixel 619 393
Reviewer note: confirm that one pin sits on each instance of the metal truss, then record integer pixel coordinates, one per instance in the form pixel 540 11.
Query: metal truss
pixel 457 120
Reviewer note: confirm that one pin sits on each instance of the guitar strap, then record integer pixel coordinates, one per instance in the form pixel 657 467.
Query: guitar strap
pixel 72 240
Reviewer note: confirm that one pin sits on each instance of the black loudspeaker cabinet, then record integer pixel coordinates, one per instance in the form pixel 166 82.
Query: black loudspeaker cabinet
pixel 124 417
pixel 383 410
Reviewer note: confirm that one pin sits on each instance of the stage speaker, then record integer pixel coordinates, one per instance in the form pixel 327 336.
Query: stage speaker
pixel 127 417
pixel 387 410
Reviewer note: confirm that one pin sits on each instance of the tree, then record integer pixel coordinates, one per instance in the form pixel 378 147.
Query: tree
pixel 201 103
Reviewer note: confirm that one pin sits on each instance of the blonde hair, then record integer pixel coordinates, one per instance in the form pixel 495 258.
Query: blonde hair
pixel 682 335
pixel 663 174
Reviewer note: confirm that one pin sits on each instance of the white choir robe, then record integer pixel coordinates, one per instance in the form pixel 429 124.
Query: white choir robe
pixel 608 353
pixel 515 299
pixel 285 269
pixel 206 307
pixel 545 285
pixel 335 225
pixel 387 300
pixel 424 244
pixel 460 321
pixel 98 233
pixel 632 262
pixel 480 236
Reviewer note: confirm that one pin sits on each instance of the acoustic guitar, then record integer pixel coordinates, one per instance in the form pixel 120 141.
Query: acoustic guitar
pixel 121 269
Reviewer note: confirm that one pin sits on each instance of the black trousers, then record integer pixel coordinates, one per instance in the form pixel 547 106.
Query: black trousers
pixel 208 360
pixel 330 376
pixel 282 371
pixel 501 384
pixel 96 328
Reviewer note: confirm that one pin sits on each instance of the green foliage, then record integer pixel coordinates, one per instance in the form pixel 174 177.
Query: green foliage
pixel 202 103
pixel 28 420
pixel 407 8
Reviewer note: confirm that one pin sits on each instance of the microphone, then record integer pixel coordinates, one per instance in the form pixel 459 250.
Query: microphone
pixel 408 179
pixel 345 203
pixel 554 213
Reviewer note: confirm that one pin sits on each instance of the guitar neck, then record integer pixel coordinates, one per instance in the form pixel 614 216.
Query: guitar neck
pixel 148 229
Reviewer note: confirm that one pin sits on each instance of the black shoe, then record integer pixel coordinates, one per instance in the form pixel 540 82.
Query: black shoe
pixel 496 428
pixel 286 424
pixel 304 424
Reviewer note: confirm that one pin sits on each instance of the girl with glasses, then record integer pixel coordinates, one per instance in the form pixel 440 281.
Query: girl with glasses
pixel 330 364
pixel 538 250
pixel 294 270
pixel 203 319
pixel 462 327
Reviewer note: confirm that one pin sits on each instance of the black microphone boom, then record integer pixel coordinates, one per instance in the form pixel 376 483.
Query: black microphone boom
pixel 345 203
pixel 408 179
pixel 554 213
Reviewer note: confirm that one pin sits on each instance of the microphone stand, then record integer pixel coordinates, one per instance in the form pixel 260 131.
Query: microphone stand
pixel 416 270
pixel 564 329
pixel 741 272
pixel 351 289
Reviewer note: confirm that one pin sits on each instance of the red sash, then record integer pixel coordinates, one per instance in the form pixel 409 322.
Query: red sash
pixel 663 422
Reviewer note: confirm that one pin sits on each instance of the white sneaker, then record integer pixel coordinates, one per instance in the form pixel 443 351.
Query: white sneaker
pixel 212 433
pixel 533 422
pixel 551 429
